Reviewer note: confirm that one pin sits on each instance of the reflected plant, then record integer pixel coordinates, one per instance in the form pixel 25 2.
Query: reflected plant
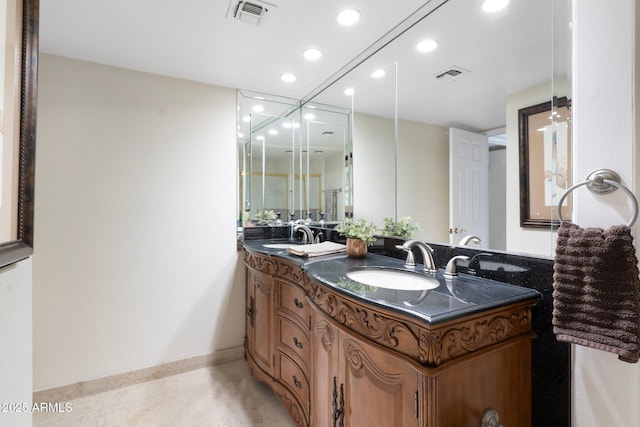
pixel 265 216
pixel 351 285
pixel 403 229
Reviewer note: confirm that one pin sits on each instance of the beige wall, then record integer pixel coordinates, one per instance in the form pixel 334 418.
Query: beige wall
pixel 135 262
pixel 423 177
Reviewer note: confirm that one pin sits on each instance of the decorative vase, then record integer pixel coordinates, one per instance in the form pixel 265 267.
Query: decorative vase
pixel 356 248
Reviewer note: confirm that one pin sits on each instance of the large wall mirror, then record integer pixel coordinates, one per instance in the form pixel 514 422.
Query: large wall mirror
pixel 417 112
pixel 18 129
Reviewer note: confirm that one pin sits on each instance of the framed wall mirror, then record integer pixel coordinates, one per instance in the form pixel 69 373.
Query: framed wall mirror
pixel 545 162
pixel 18 129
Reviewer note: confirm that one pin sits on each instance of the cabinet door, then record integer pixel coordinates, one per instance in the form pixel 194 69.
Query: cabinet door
pixel 379 388
pixel 324 371
pixel 355 384
pixel 260 319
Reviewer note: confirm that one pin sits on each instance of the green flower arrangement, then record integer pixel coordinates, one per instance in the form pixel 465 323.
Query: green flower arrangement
pixel 403 229
pixel 266 216
pixel 359 229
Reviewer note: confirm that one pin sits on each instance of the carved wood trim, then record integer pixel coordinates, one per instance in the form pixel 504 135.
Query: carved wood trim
pixel 470 337
pixel 429 346
pixel 291 405
pixel 289 272
pixel 274 266
pixel 360 364
pixel 261 263
pixel 324 331
pixel 428 403
pixel 289 401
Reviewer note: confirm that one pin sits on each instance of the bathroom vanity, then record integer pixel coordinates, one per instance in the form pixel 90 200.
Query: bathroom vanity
pixel 341 353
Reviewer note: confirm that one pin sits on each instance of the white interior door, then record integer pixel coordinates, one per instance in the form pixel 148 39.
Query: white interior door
pixel 468 186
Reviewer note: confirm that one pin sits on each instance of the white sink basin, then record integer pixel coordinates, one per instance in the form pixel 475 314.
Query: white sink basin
pixel 393 279
pixel 278 245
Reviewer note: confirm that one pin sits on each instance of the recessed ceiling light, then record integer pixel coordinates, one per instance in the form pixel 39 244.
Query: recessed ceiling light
pixel 494 5
pixel 240 135
pixel 288 77
pixel 273 131
pixel 289 125
pixel 260 138
pixel 348 17
pixel 312 54
pixel 379 73
pixel 309 116
pixel 258 108
pixel 246 119
pixel 349 91
pixel 427 45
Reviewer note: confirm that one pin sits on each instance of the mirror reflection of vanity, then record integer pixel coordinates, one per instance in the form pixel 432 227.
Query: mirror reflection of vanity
pixel 293 160
pixel 383 149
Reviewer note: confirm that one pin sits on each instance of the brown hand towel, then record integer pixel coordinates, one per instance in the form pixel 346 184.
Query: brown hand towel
pixel 596 290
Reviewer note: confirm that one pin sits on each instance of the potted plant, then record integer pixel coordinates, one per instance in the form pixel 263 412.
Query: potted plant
pixel 402 229
pixel 359 234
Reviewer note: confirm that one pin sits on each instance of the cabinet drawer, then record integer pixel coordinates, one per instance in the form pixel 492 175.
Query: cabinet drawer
pixel 294 339
pixel 292 376
pixel 293 302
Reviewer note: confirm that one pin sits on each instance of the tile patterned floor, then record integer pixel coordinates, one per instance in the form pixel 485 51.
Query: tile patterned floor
pixel 217 396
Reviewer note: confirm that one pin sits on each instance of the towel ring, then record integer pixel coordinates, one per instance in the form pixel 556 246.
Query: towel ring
pixel 602 181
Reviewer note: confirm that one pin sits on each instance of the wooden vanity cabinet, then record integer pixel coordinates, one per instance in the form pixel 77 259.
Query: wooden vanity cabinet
pixel 336 361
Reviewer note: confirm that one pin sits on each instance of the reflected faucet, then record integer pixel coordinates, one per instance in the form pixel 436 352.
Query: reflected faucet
pixel 307 234
pixel 468 239
pixel 474 264
pixel 426 250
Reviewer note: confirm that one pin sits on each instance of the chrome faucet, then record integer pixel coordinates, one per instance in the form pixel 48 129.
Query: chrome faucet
pixel 307 236
pixel 468 239
pixel 452 268
pixel 426 250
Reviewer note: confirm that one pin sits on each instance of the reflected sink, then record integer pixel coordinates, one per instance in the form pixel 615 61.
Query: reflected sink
pixel 393 279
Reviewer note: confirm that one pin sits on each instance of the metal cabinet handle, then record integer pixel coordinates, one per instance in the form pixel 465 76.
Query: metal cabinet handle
pixel 297 343
pixel 298 303
pixel 250 311
pixel 297 382
pixel 491 419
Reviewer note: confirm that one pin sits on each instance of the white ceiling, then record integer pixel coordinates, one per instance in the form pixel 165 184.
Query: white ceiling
pixel 193 39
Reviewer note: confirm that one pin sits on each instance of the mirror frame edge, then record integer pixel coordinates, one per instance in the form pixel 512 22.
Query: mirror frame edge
pixel 22 248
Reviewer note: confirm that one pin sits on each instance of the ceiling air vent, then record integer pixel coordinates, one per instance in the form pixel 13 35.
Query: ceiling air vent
pixel 250 12
pixel 452 73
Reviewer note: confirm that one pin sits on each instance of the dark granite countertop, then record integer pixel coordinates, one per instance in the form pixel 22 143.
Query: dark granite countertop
pixel 455 297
